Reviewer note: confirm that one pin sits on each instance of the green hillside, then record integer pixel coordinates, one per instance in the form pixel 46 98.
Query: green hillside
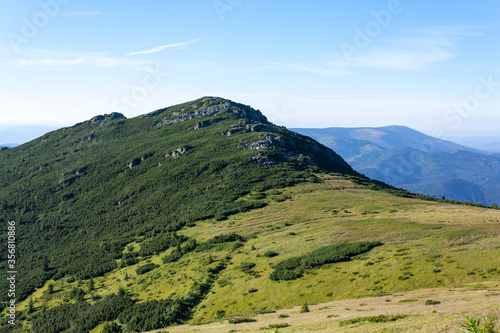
pixel 206 212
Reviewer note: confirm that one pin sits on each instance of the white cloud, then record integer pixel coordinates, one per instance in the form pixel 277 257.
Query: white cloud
pixel 40 59
pixel 416 52
pixel 180 45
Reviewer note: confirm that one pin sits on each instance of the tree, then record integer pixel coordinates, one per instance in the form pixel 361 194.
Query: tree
pixel 50 289
pixel 91 284
pixel 31 306
pixel 304 308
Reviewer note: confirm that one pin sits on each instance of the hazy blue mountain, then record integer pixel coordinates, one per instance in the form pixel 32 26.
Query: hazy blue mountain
pixel 486 143
pixel 9 145
pixel 22 134
pixel 456 189
pixel 403 157
pixel 387 137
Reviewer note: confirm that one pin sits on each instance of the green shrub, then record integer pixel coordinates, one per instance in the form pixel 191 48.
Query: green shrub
pixel 293 268
pixel 432 302
pixel 246 266
pixel 146 268
pixel 280 325
pixel 160 243
pixel 217 240
pixel 289 269
pixel 270 254
pixel 473 325
pixel 173 256
pixel 220 314
pixel 372 319
pixel 112 328
pixel 304 308
pixel 241 320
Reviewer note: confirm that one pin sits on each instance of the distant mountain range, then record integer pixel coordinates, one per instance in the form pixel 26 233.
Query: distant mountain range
pixel 9 145
pixel 487 143
pixel 406 158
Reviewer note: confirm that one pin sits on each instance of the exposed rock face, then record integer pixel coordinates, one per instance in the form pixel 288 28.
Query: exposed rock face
pixel 204 123
pixel 264 160
pixel 101 120
pixel 88 138
pixel 209 111
pixel 270 142
pixel 177 152
pixel 243 111
pixel 251 126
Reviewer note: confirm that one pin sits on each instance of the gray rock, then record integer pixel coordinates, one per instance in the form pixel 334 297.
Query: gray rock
pixel 177 152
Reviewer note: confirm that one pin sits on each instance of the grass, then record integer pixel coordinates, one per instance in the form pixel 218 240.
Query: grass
pixel 416 237
pixel 373 319
pixel 326 317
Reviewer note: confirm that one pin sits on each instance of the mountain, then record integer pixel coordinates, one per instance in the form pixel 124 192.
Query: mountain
pixel 486 143
pixel 206 211
pixel 8 145
pixel 351 142
pixel 22 134
pixel 406 158
pixel 457 189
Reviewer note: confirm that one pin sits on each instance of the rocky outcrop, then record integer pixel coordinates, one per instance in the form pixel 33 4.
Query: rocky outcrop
pixel 269 142
pixel 177 152
pixel 195 111
pixel 251 126
pixel 88 138
pixel 208 111
pixel 263 159
pixel 203 124
pixel 101 120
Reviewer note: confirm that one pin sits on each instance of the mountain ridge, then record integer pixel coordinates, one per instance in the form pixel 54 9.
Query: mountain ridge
pixel 205 210
pixel 143 160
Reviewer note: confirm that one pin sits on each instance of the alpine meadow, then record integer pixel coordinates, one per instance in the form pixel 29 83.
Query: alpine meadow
pixel 206 217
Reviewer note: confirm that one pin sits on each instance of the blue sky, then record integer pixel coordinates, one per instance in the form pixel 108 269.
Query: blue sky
pixel 433 66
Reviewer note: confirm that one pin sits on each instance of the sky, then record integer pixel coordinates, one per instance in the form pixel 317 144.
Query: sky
pixel 433 66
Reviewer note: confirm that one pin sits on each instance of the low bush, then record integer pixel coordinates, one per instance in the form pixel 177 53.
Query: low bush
pixel 293 268
pixel 241 320
pixel 146 268
pixel 217 240
pixel 246 266
pixel 372 319
pixel 271 254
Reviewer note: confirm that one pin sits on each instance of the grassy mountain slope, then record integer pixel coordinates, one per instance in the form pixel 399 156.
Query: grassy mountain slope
pixel 185 213
pixel 425 245
pixel 79 195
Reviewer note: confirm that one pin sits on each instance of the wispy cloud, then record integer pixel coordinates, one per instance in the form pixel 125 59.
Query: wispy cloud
pixel 40 59
pixel 180 45
pixel 418 51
